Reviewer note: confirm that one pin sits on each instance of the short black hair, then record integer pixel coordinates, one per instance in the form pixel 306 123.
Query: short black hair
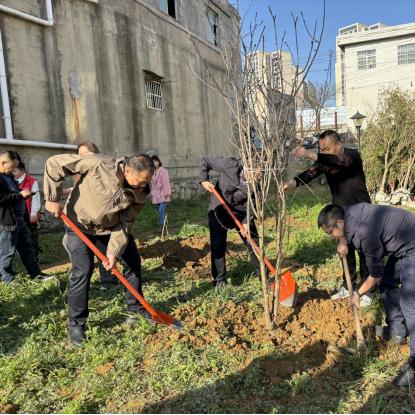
pixel 140 162
pixel 329 215
pixel 156 158
pixel 330 134
pixel 21 166
pixel 11 155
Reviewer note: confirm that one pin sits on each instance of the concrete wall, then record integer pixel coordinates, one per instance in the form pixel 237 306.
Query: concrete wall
pixel 363 86
pixel 83 78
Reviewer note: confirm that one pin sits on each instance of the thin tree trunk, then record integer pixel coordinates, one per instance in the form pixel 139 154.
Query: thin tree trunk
pixel 385 172
pixel 408 172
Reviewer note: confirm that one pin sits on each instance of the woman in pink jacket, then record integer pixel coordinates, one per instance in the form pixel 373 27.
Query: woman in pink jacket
pixel 160 189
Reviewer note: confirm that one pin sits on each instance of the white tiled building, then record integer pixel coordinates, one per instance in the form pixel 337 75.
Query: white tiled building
pixel 370 59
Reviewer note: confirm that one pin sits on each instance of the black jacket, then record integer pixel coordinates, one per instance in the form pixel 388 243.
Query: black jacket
pixel 379 231
pixel 230 184
pixel 7 200
pixel 344 174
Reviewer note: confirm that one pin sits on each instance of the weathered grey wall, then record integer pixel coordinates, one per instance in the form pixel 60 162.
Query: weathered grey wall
pixel 104 49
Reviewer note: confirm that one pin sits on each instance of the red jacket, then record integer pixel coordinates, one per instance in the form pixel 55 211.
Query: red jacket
pixel 27 184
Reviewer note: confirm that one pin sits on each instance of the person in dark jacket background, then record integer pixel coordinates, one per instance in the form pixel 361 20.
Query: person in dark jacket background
pixel 380 232
pixel 14 233
pixel 232 187
pixel 33 204
pixel 345 177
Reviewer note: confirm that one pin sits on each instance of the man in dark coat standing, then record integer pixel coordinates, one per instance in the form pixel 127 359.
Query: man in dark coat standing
pixel 231 185
pixel 345 177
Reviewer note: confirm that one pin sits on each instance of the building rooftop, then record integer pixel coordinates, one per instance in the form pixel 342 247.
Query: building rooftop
pixel 361 33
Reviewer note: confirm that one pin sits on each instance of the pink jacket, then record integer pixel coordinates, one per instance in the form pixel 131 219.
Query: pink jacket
pixel 160 186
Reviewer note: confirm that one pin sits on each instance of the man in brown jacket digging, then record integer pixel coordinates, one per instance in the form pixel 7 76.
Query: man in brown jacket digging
pixel 104 204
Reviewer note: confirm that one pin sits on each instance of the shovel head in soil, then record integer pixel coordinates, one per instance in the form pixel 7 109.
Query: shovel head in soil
pixel 288 290
pixel 157 316
pixel 288 286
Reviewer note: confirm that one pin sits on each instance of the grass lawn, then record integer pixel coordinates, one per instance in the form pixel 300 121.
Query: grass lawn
pixel 224 360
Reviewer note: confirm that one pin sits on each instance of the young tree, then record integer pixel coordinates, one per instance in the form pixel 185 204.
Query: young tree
pixel 260 94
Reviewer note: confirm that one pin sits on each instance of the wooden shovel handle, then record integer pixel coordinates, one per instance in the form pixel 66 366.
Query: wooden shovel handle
pixel 361 344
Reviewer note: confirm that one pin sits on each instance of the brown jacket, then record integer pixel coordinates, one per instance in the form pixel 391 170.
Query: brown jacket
pixel 99 202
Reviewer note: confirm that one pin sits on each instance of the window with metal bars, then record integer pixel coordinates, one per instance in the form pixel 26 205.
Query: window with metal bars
pixel 366 59
pixel 154 96
pixel 406 54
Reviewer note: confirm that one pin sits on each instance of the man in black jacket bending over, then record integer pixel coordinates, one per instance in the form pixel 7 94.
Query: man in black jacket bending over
pixel 346 179
pixel 382 232
pixel 232 187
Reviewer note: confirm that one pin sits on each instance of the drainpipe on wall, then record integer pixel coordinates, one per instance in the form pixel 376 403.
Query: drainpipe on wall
pixel 9 140
pixel 34 19
pixel 5 95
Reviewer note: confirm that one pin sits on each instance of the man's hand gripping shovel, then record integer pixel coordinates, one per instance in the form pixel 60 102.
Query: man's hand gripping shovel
pixel 288 286
pixel 157 316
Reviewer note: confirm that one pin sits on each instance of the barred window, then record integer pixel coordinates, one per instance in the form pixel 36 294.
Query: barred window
pixel 154 97
pixel 366 59
pixel 406 54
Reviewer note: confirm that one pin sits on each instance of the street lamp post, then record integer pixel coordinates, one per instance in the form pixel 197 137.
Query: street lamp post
pixel 358 121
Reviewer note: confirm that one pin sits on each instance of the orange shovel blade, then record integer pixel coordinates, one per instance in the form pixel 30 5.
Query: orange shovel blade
pixel 288 289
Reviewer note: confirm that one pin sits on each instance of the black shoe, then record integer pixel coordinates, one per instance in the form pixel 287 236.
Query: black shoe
pixel 133 319
pixel 406 376
pixel 42 277
pixel 387 335
pixel 77 335
pixel 107 285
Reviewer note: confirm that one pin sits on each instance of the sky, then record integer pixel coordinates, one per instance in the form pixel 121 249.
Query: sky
pixel 339 13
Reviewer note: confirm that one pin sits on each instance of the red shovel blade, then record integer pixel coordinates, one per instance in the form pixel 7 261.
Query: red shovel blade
pixel 288 286
pixel 288 289
pixel 156 315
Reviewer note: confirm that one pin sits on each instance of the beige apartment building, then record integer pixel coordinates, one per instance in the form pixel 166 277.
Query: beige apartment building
pixel 370 59
pixel 275 71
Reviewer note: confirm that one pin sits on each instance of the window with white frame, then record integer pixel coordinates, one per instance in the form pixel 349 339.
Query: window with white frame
pixel 406 54
pixel 366 59
pixel 213 26
pixel 169 7
pixel 154 92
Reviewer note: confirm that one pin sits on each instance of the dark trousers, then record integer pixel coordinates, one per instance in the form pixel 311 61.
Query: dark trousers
pixel 390 294
pixel 7 245
pixel 82 260
pixel 18 240
pixel 219 224
pixel 25 249
pixel 407 301
pixel 351 261
pixel 34 233
pixel 105 276
pixel 397 289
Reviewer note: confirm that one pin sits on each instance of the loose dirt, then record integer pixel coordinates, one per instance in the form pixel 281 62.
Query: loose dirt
pixel 8 409
pixel 301 339
pixel 315 319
